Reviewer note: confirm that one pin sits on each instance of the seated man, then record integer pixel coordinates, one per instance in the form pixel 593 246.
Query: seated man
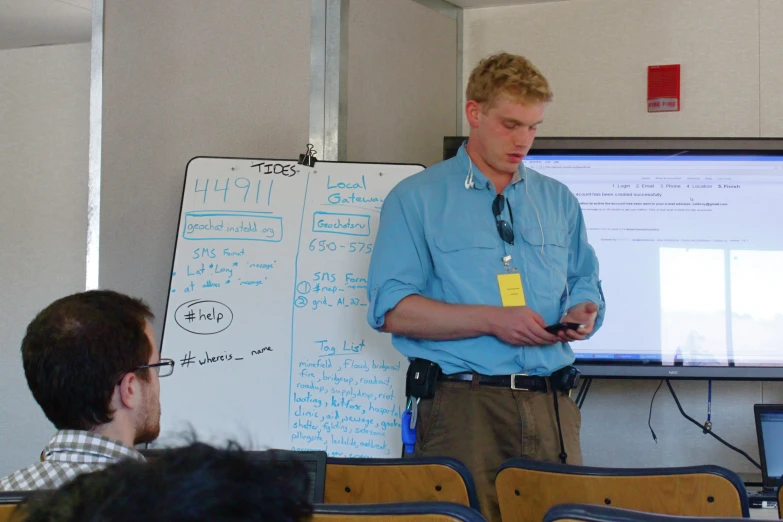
pixel 193 483
pixel 91 362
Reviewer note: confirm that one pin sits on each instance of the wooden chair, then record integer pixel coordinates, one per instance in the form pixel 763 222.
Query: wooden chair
pixel 780 499
pixel 396 512
pixel 591 513
pixel 527 489
pixel 373 481
pixel 9 502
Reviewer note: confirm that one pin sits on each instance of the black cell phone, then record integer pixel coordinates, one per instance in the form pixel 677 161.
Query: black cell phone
pixel 558 327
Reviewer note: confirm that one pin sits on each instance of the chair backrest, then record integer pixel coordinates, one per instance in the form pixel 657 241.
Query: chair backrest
pixel 780 501
pixel 372 481
pixel 9 502
pixel 7 512
pixel 591 513
pixel 396 512
pixel 527 489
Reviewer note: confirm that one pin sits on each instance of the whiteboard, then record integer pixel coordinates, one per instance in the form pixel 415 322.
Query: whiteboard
pixel 266 315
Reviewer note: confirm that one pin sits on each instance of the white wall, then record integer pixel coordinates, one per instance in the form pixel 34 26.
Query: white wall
pixel 401 95
pixel 595 54
pixel 771 68
pixel 44 110
pixel 615 431
pixel 185 78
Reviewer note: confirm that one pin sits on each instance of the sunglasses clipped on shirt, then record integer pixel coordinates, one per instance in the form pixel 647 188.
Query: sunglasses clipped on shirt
pixel 505 230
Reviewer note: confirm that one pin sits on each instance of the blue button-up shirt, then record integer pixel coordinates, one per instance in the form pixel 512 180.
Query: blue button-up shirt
pixel 438 238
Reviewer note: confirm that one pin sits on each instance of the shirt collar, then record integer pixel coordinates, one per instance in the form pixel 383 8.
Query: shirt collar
pixel 479 180
pixel 86 446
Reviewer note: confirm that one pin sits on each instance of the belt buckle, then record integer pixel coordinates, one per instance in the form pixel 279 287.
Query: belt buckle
pixel 514 381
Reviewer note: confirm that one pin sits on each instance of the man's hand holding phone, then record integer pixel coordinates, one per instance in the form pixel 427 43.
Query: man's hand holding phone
pixel 520 326
pixel 578 323
pixel 561 327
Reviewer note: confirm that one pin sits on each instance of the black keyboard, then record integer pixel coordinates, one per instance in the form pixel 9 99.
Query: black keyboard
pixel 764 498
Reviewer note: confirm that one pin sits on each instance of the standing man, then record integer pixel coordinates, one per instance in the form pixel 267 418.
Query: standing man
pixel 92 365
pixel 474 257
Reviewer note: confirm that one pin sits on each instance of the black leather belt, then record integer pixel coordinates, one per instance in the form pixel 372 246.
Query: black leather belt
pixel 517 381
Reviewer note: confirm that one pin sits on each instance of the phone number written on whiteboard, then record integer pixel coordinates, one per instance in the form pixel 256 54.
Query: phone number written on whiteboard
pixel 352 247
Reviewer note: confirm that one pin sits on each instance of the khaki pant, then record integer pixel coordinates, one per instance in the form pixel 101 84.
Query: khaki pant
pixel 483 427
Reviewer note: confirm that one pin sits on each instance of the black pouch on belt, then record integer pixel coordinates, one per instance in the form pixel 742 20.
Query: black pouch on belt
pixel 422 379
pixel 565 378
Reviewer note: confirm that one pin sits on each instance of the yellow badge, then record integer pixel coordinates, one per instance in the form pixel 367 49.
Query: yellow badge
pixel 511 291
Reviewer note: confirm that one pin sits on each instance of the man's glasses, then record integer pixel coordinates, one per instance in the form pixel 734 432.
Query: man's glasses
pixel 164 368
pixel 505 229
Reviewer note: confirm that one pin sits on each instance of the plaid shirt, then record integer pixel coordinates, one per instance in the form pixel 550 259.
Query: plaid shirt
pixel 69 453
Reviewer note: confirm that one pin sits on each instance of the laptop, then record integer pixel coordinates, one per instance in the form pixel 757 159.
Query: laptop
pixel 769 430
pixel 314 462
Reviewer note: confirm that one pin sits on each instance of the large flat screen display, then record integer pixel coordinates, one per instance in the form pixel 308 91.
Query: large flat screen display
pixel 690 245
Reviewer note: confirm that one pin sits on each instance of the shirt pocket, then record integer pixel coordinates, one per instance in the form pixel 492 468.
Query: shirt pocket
pixel 465 262
pixel 549 256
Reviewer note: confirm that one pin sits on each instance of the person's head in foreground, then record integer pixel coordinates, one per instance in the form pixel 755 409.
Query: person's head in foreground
pixel 193 483
pixel 506 97
pixel 92 365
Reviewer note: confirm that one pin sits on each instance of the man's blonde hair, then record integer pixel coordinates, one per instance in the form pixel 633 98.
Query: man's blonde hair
pixel 507 74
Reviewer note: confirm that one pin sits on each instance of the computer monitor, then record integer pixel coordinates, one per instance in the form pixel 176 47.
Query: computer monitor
pixel 769 429
pixel 687 234
pixel 314 461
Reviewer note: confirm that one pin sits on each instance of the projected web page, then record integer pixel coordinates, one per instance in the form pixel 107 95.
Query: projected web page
pixel 690 252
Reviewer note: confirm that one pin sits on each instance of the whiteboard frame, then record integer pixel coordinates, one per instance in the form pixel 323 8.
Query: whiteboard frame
pixel 182 202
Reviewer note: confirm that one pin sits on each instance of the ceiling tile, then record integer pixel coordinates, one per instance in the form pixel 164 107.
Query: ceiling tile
pixel 84 4
pixel 27 23
pixel 475 4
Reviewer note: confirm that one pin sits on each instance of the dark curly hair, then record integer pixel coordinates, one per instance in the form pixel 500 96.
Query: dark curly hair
pixel 193 483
